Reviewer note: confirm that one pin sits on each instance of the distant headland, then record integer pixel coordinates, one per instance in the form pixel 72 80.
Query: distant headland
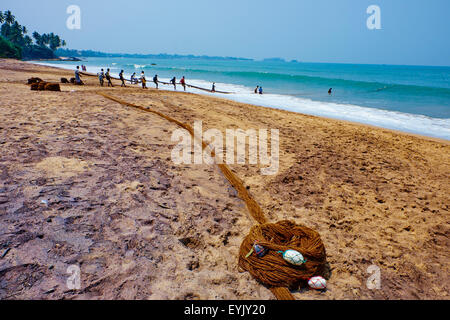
pixel 92 54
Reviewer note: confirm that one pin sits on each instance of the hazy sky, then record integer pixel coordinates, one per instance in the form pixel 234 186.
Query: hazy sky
pixel 413 31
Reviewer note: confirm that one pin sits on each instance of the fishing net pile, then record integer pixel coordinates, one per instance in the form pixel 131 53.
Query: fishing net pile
pixel 271 269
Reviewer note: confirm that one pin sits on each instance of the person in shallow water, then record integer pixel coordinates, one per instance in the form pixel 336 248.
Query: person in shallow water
pixel 256 89
pixel 260 90
pixel 174 82
pixel 213 89
pixel 329 91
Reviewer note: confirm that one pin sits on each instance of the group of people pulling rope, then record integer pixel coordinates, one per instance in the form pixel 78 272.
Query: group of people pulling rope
pixel 105 77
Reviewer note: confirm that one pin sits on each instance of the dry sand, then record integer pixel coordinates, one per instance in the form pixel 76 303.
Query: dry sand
pixel 87 181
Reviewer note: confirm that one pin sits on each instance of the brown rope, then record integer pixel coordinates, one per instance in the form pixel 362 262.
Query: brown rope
pixel 271 269
pixel 253 207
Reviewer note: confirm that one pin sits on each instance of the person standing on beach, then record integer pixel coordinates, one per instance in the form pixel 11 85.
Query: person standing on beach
pixel 101 77
pixel 174 82
pixel 155 80
pixel 256 89
pixel 122 79
pixel 143 80
pixel 260 90
pixel 77 75
pixel 213 87
pixel 183 83
pixel 108 78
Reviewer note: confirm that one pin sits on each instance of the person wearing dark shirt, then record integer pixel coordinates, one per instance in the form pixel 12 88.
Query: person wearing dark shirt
pixel 155 80
pixel 122 79
pixel 133 79
pixel 174 82
pixel 101 77
pixel 108 78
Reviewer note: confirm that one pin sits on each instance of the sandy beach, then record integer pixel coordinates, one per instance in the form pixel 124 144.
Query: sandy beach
pixel 88 181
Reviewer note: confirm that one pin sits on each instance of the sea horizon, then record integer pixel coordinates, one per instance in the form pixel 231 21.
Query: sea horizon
pixel 212 57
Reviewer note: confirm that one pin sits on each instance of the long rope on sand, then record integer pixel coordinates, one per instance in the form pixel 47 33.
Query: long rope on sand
pixel 195 87
pixel 271 269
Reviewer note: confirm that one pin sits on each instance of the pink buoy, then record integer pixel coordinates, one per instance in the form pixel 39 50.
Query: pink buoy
pixel 317 283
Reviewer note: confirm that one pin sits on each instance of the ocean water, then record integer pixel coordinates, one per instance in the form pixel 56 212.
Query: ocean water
pixel 413 99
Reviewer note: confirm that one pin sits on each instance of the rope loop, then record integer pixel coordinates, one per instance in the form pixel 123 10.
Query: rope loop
pixel 271 269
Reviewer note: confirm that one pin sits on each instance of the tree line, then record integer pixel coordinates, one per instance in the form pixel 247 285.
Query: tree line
pixel 16 43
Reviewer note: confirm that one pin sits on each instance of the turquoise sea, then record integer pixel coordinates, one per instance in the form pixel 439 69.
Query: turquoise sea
pixel 413 99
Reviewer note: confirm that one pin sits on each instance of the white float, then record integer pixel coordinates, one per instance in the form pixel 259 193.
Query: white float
pixel 317 283
pixel 293 257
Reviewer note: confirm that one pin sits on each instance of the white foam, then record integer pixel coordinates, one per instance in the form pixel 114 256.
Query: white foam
pixel 413 123
pixel 140 66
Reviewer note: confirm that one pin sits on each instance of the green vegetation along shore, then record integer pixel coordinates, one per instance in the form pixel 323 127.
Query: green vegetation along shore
pixel 17 44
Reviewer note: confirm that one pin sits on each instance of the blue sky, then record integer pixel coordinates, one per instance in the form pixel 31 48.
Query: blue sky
pixel 414 32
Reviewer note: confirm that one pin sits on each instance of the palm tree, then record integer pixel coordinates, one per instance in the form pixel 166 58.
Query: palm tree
pixel 16 33
pixel 28 41
pixel 24 30
pixel 9 18
pixel 45 39
pixel 2 17
pixel 55 42
pixel 38 38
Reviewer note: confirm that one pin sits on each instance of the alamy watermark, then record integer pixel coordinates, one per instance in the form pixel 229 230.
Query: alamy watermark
pixel 189 151
pixel 74 20
pixel 74 281
pixel 374 20
pixel 374 280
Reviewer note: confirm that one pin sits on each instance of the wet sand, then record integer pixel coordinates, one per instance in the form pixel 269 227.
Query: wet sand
pixel 87 181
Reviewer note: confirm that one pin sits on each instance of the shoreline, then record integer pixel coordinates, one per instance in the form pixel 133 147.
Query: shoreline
pixel 422 136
